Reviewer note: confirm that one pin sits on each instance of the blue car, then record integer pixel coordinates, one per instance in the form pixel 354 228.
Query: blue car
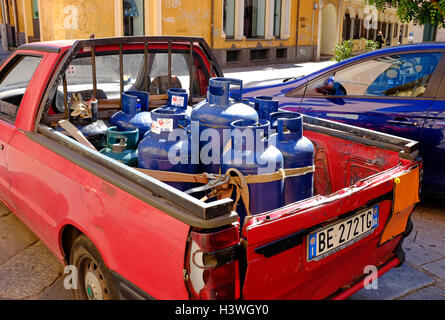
pixel 397 90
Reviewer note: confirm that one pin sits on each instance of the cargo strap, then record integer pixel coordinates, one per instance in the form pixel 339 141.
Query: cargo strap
pixel 222 186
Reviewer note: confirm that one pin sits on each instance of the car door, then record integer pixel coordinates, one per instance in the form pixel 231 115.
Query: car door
pixel 432 143
pixel 6 131
pixel 391 93
pixel 14 79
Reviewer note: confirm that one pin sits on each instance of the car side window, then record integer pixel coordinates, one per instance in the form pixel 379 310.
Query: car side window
pixel 14 81
pixel 404 75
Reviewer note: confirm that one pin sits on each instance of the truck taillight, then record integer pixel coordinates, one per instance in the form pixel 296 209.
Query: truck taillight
pixel 212 265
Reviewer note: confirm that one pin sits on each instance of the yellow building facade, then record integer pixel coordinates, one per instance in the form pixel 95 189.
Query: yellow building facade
pixel 241 32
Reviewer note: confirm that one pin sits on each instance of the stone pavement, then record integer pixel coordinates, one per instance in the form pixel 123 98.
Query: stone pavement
pixel 273 74
pixel 422 277
pixel 29 271
pixel 4 55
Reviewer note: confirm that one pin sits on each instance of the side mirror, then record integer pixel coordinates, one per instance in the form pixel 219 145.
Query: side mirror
pixel 328 87
pixel 332 88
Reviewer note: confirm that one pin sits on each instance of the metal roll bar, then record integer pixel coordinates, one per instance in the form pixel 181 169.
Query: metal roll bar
pixel 93 43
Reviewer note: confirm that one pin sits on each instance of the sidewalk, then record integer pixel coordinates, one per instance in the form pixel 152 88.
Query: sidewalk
pixel 273 74
pixel 422 277
pixel 4 55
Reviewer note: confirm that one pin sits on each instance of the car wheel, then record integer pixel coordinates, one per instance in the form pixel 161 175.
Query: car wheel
pixel 94 279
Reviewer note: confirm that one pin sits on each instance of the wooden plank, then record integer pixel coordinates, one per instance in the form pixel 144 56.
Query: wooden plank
pixel 75 133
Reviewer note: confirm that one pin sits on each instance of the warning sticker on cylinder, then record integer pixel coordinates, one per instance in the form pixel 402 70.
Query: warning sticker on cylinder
pixel 162 125
pixel 177 101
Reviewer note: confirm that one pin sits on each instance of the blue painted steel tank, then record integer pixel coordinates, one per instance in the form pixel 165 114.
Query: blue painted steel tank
pixel 217 113
pixel 298 152
pixel 122 146
pixel 265 105
pixel 167 146
pixel 178 100
pixel 248 102
pixel 251 153
pixel 134 113
pixel 96 133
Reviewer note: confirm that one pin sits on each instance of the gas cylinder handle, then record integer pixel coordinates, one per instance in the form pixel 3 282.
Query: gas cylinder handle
pixel 238 96
pixel 220 87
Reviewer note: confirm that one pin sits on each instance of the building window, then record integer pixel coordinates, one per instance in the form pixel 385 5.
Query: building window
pixel 390 31
pixel 357 23
pixel 277 19
pixel 229 19
pixel 347 27
pixel 372 33
pixel 232 56
pixel 281 53
pixel 259 54
pixel 35 21
pixel 363 30
pixel 396 29
pixel 133 17
pixel 254 18
pixel 384 29
pixel 401 33
pixel 35 9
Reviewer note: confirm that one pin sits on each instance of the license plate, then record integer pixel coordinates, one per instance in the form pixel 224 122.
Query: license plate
pixel 332 238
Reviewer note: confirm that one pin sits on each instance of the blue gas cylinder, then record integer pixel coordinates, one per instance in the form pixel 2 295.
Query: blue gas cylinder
pixel 265 105
pixel 248 102
pixel 167 147
pixel 214 116
pixel 178 100
pixel 134 113
pixel 251 154
pixel 96 133
pixel 122 145
pixel 298 152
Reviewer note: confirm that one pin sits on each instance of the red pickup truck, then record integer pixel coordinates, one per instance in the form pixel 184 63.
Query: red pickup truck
pixel 132 236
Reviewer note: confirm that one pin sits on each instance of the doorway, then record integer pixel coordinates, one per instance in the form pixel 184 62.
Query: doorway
pixel 329 29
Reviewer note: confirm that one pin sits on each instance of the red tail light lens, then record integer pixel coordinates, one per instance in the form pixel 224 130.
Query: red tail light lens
pixel 212 265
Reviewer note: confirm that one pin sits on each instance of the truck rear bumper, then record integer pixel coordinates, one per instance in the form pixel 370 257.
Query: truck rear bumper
pixel 129 291
pixel 394 262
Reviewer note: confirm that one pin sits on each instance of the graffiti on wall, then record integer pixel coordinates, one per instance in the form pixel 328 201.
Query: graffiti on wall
pixel 185 18
pixel 173 3
pixel 82 16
